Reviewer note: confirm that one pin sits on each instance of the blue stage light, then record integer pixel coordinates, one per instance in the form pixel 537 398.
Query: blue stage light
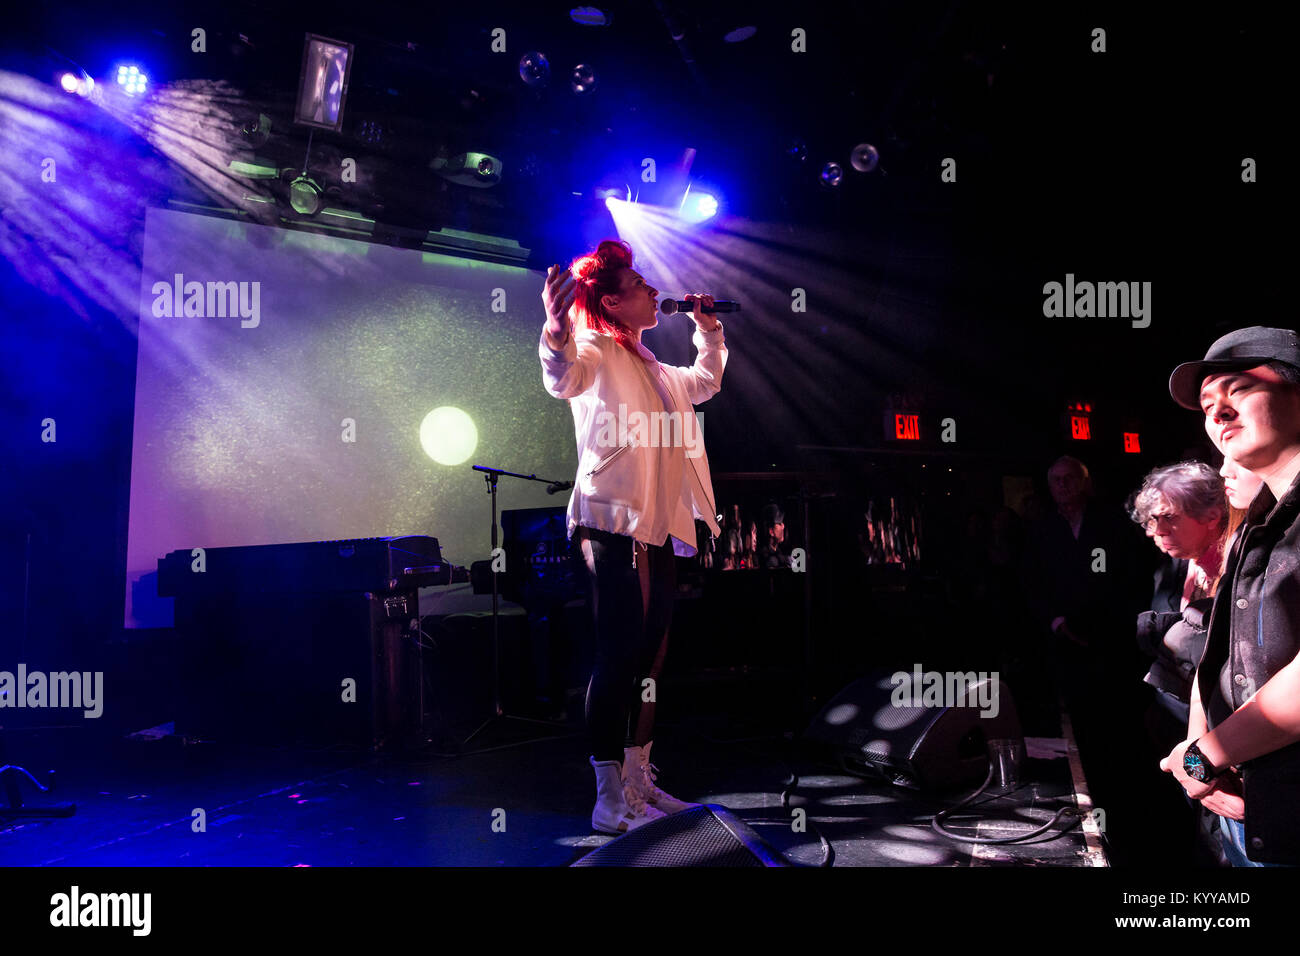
pixel 590 16
pixel 132 80
pixel 81 84
pixel 697 207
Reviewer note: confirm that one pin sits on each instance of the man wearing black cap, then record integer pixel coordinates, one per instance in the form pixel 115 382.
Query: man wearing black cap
pixel 1242 755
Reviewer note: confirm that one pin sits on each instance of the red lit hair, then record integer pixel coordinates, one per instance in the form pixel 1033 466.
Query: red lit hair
pixel 597 275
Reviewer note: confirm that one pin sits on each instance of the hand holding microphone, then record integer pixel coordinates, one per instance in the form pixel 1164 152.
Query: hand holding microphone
pixel 698 304
pixel 708 305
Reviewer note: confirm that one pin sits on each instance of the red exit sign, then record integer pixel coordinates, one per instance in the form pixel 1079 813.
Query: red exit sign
pixel 1131 443
pixel 907 427
pixel 1080 429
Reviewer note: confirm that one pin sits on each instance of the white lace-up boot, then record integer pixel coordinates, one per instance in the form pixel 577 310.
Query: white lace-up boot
pixel 639 779
pixel 617 811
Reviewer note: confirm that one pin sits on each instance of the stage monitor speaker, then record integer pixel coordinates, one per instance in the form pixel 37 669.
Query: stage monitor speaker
pixel 707 835
pixel 885 727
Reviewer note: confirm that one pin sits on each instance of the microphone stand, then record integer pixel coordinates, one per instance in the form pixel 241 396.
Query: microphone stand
pixel 491 476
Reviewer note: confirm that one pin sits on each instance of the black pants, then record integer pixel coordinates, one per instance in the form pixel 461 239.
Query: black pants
pixel 633 609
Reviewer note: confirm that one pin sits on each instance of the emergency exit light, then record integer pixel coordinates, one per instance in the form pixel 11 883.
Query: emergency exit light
pixel 907 427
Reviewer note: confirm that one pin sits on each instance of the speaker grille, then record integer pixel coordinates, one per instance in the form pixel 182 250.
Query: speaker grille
pixel 694 837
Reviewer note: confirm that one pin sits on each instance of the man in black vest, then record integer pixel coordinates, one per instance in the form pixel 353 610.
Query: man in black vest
pixel 1242 755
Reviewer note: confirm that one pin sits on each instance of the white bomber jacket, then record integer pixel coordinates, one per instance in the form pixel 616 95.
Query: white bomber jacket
pixel 635 427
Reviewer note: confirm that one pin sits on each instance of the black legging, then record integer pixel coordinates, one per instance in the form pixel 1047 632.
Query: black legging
pixel 633 609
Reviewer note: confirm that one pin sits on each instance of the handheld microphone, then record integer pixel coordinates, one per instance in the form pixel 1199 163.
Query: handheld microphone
pixel 669 306
pixel 558 486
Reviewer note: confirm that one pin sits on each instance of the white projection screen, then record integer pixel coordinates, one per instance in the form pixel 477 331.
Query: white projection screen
pixel 296 415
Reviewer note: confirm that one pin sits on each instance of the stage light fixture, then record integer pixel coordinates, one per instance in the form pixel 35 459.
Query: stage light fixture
pixel 469 169
pixel 132 80
pixel 256 132
pixel 583 79
pixel 305 196
pixel 323 82
pixel 698 207
pixel 69 82
pixel 534 69
pixel 590 17
pixel 832 174
pixel 865 157
pixel 614 194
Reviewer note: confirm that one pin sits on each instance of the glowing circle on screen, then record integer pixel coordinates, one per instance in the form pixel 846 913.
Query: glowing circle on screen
pixel 448 435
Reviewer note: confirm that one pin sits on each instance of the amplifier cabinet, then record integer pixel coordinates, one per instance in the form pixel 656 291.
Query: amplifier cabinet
pixel 325 670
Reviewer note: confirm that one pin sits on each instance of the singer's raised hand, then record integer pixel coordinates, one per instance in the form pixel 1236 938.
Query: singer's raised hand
pixel 705 323
pixel 557 296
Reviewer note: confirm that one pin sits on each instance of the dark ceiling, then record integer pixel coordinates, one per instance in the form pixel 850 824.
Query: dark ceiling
pixel 918 80
pixel 1124 164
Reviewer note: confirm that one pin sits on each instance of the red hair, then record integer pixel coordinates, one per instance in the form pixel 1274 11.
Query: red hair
pixel 597 275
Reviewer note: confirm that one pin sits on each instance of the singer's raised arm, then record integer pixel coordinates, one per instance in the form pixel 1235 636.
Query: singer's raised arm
pixel 704 378
pixel 570 370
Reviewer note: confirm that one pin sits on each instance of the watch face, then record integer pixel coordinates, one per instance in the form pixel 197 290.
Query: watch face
pixel 1194 766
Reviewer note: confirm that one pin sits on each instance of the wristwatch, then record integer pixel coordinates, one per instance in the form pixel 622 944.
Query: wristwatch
pixel 1197 766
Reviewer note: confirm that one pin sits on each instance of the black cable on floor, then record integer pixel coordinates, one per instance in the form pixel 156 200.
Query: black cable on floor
pixel 938 827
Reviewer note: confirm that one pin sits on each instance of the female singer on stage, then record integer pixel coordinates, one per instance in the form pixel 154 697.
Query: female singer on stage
pixel 643 478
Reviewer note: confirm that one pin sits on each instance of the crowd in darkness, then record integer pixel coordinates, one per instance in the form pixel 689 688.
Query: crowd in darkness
pixel 1054 594
pixel 1087 575
pixel 1100 614
pixel 1174 658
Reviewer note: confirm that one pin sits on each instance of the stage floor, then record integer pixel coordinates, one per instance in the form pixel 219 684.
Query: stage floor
pixel 526 806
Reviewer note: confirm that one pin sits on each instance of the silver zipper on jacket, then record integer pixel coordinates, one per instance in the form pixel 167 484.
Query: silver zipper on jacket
pixel 712 507
pixel 690 411
pixel 600 465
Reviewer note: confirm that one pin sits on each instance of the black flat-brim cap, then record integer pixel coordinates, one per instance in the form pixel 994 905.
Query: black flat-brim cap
pixel 1242 349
